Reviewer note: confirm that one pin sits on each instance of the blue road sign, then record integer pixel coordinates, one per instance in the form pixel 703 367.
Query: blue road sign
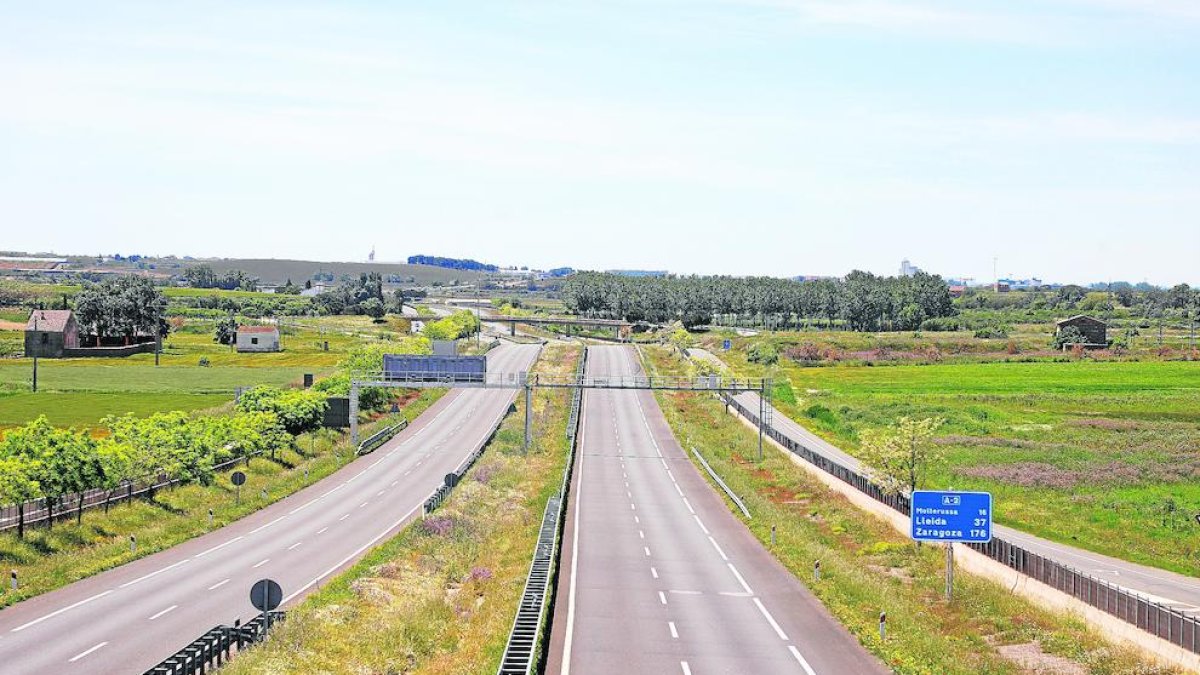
pixel 727 345
pixel 951 516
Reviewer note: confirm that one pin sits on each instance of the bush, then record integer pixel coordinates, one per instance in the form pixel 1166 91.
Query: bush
pixel 1069 336
pixel 298 410
pixel 763 353
pixel 995 332
pixel 944 324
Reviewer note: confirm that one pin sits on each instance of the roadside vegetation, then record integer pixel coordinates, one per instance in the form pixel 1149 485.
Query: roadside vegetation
pixel 1099 454
pixel 51 557
pixel 867 567
pixel 441 596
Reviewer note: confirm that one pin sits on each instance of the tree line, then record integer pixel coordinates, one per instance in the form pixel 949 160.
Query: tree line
pixel 41 461
pixel 861 301
pixel 125 307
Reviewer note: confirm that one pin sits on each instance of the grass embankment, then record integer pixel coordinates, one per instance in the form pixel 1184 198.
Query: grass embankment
pixel 441 596
pixel 48 558
pixel 1103 456
pixel 868 567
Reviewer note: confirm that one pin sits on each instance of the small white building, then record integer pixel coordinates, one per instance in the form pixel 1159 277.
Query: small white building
pixel 257 339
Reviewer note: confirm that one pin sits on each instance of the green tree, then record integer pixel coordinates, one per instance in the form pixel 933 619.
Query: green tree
pixel 17 485
pixel 298 410
pixel 373 308
pixel 899 458
pixel 226 331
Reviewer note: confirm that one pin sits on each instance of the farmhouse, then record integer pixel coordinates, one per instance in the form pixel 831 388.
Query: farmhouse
pixel 50 332
pixel 257 339
pixel 1094 331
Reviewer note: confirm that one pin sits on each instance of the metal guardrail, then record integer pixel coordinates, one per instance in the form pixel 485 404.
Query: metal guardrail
pixel 733 496
pixel 1173 625
pixel 211 650
pixel 372 442
pixel 525 649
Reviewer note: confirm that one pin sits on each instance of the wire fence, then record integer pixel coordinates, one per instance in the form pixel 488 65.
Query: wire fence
pixel 1173 625
pixel 70 505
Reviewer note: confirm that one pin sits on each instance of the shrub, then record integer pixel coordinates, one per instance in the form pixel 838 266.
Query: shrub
pixel 994 332
pixel 942 324
pixel 763 353
pixel 298 410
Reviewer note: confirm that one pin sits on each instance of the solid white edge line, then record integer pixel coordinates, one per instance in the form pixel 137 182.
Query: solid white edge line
pixel 82 654
pixel 740 579
pixel 566 659
pixel 60 611
pixel 770 619
pixel 718 547
pixel 803 664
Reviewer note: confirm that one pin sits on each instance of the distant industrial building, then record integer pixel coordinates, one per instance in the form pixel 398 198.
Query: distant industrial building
pixel 640 273
pixel 257 339
pixel 908 269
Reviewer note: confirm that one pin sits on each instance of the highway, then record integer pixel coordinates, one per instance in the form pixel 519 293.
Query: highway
pixel 1175 589
pixel 657 576
pixel 128 619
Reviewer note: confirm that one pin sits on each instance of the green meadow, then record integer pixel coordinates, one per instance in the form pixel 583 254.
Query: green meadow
pixel 1104 455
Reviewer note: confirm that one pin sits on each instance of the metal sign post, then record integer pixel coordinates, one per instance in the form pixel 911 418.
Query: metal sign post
pixel 238 479
pixel 266 595
pixel 949 518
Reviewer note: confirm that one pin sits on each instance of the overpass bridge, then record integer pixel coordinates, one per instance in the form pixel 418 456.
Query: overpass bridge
pixel 618 327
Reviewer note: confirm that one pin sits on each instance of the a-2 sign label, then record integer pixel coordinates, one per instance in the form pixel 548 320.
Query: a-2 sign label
pixel 964 517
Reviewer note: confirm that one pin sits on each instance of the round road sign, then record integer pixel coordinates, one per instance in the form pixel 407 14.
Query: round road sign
pixel 238 478
pixel 265 595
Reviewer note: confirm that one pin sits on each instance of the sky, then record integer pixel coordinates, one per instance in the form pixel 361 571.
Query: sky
pixel 1057 139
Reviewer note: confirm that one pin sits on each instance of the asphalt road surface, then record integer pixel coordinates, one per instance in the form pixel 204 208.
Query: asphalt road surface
pixel 658 576
pixel 1174 589
pixel 128 619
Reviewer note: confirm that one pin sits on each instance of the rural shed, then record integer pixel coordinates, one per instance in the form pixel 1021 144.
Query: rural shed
pixel 1094 331
pixel 257 339
pixel 50 332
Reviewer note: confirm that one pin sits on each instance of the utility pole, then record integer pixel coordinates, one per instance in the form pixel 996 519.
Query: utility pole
pixel 528 414
pixel 35 349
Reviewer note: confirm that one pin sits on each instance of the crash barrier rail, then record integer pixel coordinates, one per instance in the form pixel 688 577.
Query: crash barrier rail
pixel 43 509
pixel 732 495
pixel 211 650
pixel 452 479
pixel 382 436
pixel 1168 623
pixel 525 649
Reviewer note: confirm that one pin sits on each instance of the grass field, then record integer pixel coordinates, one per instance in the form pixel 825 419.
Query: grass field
pixel 868 567
pixel 84 410
pixel 78 392
pixel 440 597
pixel 1101 455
